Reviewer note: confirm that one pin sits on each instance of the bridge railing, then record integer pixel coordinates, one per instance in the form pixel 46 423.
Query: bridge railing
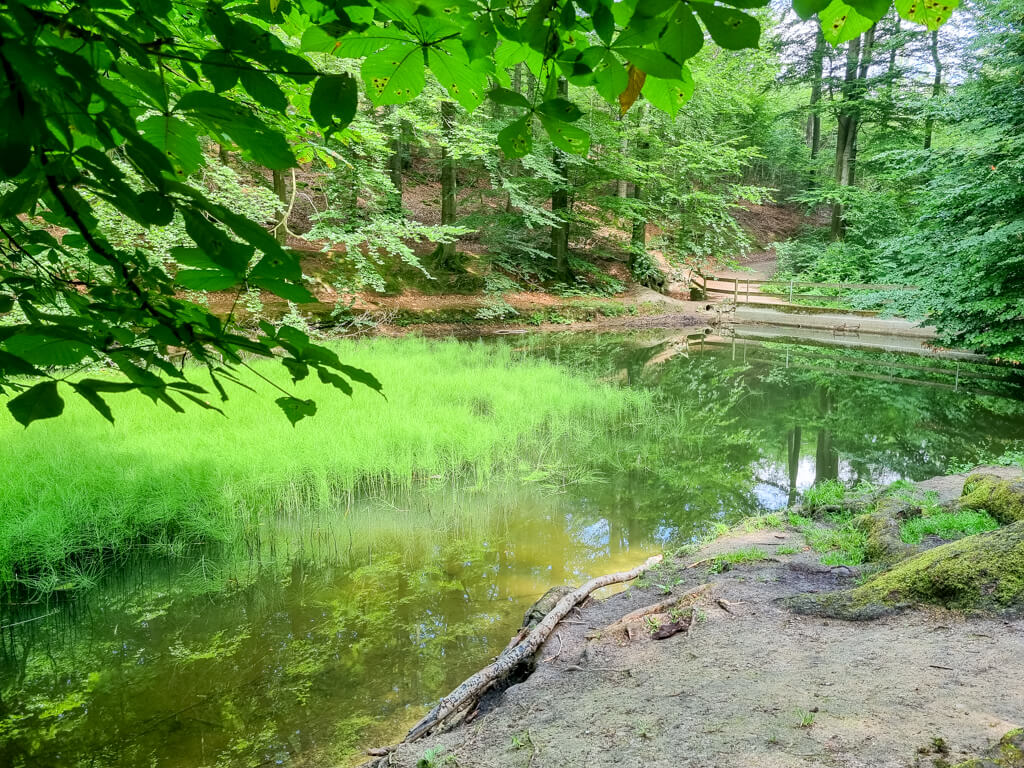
pixel 741 288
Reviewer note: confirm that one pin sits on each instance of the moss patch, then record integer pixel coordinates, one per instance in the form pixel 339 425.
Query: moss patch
pixel 1008 753
pixel 882 541
pixel 1003 499
pixel 978 573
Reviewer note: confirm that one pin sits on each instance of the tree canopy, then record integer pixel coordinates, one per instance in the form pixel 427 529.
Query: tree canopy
pixel 108 102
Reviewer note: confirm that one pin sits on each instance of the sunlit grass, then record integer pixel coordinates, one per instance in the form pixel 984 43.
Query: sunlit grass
pixel 79 490
pixel 947 525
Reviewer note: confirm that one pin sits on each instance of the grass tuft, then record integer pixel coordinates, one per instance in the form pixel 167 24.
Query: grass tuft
pixel 947 525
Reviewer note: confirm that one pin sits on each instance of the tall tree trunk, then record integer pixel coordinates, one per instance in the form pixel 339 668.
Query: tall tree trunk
pixel 281 190
pixel 826 458
pixel 814 119
pixel 929 121
pixel 445 255
pixel 858 61
pixel 222 153
pixel 560 206
pixel 395 165
pixel 793 462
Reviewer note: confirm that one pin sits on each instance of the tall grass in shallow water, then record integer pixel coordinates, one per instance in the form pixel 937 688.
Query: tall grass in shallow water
pixel 78 491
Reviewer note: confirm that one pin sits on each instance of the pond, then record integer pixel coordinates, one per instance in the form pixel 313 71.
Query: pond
pixel 343 636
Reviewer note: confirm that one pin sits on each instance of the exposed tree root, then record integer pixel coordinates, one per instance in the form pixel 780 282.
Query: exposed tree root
pixel 678 601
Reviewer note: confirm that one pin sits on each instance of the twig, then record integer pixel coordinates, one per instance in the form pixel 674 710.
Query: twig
pixel 556 654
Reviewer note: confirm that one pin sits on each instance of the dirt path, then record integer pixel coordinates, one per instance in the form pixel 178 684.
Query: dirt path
pixel 752 684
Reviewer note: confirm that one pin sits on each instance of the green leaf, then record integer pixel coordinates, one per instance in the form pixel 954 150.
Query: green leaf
pixel 669 95
pixel 610 78
pixel 840 22
pixel 730 28
pixel 516 139
pixel 221 69
pixel 871 9
pixel 15 366
pixel 604 22
pixel 363 377
pixel 318 40
pixel 46 348
pixel 263 144
pixel 560 109
pixel 177 140
pixel 683 38
pixel 39 402
pixel 206 279
pixel 452 70
pixel 394 75
pixel 334 101
pixel 508 98
pixel 807 8
pixel 90 389
pixel 652 62
pixel 284 289
pixel 566 137
pixel 479 38
pixel 264 90
pixel 295 409
pixel 932 13
pixel 158 208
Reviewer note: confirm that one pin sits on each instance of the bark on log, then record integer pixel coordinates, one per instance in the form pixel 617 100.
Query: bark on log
pixel 475 685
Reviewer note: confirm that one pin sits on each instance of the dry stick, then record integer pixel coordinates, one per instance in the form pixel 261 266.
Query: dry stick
pixel 509 659
pixel 639 613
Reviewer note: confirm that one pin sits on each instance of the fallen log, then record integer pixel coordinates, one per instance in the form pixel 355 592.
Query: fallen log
pixel 474 686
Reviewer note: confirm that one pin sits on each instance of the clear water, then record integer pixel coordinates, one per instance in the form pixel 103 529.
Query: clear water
pixel 342 637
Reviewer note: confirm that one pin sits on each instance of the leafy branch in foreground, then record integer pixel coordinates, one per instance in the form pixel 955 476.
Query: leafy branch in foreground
pixel 108 101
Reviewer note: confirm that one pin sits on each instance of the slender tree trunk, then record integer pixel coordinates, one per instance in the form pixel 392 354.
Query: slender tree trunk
pixel 395 166
pixel 858 61
pixel 281 190
pixel 793 456
pixel 814 119
pixel 560 207
pixel 445 255
pixel 929 121
pixel 222 153
pixel 621 185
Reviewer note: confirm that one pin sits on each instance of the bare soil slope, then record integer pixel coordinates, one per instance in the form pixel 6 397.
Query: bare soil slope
pixel 751 684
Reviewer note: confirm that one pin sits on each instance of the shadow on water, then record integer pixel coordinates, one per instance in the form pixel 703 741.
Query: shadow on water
pixel 339 629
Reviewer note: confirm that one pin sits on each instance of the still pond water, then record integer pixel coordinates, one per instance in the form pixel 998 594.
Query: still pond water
pixel 307 661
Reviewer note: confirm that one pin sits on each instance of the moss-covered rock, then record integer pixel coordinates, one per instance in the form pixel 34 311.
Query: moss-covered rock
pixel 984 572
pixel 883 543
pixel 1001 498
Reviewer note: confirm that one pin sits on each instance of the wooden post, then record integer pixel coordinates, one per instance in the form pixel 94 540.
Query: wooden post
pixel 735 290
pixel 790 291
pixel 748 291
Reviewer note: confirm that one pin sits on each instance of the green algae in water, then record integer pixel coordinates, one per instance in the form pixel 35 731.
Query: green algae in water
pixel 331 624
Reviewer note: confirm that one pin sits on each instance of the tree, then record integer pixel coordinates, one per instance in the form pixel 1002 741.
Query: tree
pixel 109 102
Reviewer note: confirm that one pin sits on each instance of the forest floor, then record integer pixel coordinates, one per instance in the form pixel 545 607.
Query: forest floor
pixel 751 683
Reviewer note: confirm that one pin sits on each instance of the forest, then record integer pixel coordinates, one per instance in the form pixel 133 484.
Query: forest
pixel 342 341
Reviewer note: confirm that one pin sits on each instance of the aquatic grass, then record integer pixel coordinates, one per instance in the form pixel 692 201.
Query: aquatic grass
pixel 82 490
pixel 947 525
